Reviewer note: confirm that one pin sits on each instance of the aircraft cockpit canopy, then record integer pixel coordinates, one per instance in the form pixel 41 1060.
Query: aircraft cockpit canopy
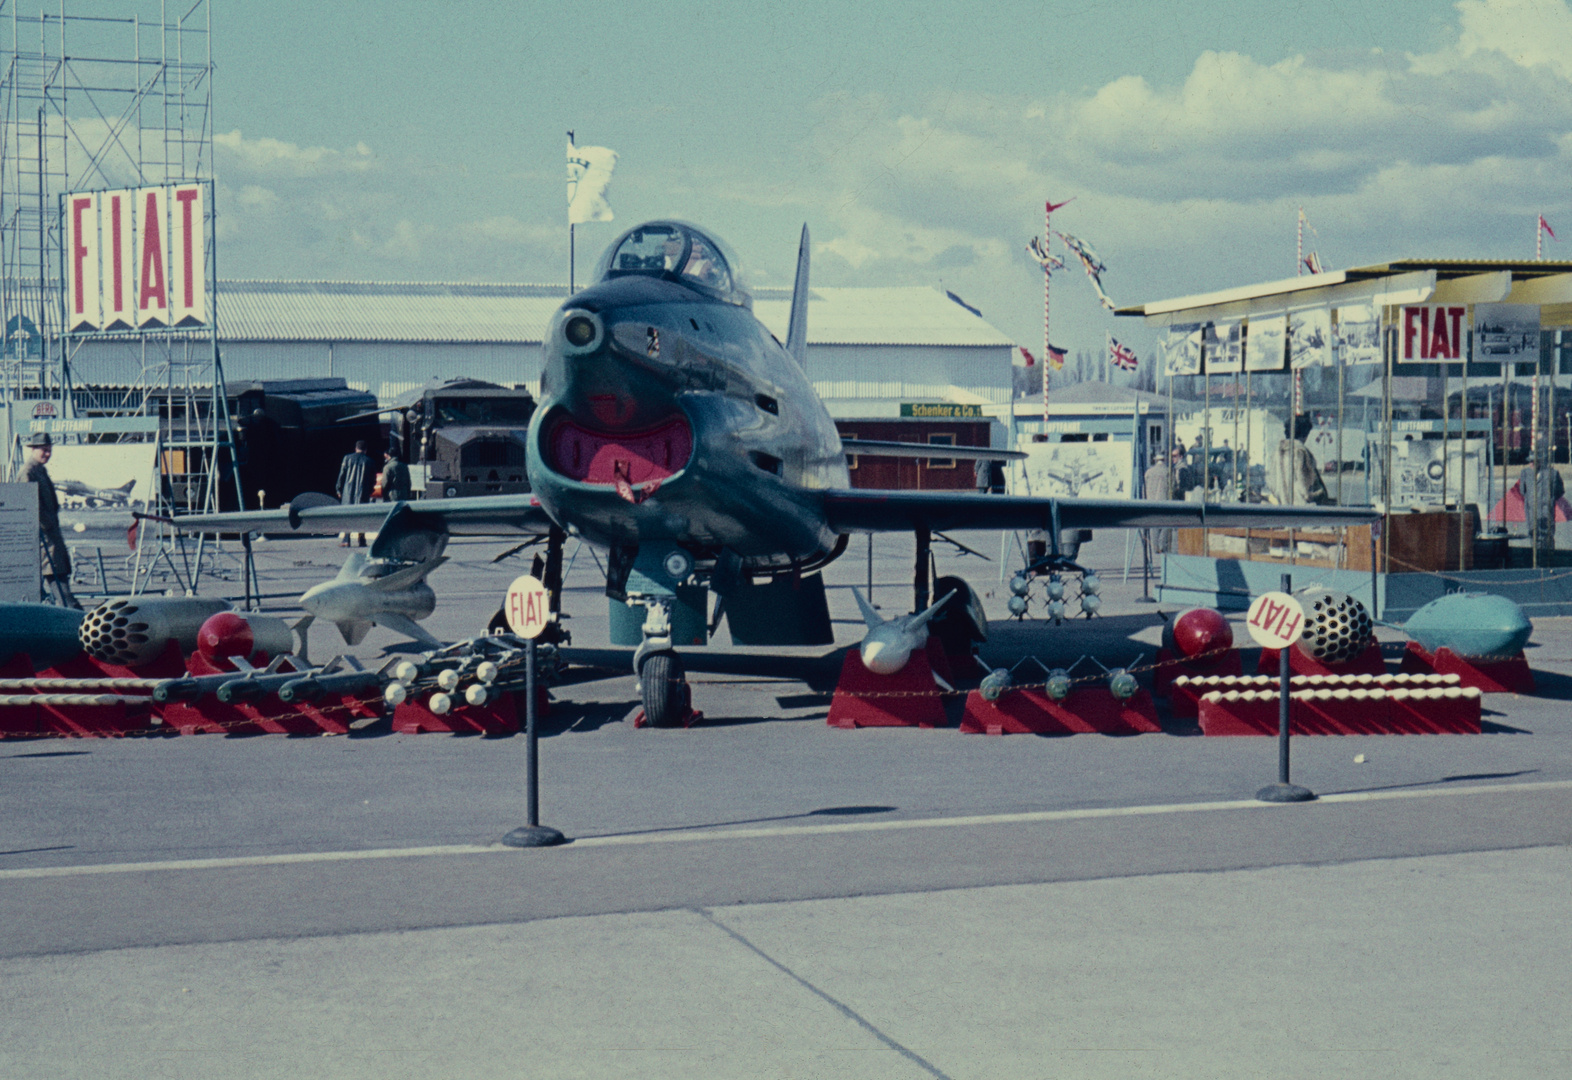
pixel 677 252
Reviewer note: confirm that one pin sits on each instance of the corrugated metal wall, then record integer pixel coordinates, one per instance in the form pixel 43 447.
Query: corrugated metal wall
pixel 890 372
pixel 910 372
pixel 374 364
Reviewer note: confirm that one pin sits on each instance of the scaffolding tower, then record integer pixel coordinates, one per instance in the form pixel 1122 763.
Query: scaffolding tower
pixel 92 103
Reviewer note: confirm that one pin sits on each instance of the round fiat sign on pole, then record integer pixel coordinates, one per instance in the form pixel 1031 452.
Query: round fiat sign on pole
pixel 1276 620
pixel 527 610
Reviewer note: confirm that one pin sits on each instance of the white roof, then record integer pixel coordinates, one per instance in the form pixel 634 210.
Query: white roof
pixel 903 315
pixel 344 311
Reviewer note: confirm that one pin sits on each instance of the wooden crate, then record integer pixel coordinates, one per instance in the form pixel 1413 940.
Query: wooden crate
pixel 1421 543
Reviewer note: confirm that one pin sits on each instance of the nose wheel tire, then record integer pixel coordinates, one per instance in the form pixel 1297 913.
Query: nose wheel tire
pixel 667 696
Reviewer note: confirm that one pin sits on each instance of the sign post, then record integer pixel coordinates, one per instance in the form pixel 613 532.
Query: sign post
pixel 527 611
pixel 1275 621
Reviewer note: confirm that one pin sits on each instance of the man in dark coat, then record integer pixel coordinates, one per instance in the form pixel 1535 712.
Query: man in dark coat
pixel 354 485
pixel 395 479
pixel 57 557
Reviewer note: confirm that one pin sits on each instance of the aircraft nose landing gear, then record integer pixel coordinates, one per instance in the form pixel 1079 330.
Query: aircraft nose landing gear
pixel 663 687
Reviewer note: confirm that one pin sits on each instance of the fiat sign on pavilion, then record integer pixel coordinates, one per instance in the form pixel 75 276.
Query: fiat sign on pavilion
pixel 136 259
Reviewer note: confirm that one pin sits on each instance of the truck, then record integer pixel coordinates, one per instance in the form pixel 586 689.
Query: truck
pixel 464 437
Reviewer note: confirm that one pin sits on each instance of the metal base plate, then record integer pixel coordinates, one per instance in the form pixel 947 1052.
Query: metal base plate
pixel 1285 793
pixel 534 836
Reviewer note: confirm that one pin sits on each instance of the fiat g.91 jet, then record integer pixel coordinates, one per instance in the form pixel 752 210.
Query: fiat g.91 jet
pixel 678 434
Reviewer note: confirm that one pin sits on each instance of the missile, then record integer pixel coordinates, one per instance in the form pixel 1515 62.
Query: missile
pixel 374 592
pixel 189 689
pixel 1475 626
pixel 890 643
pixel 257 684
pixel 47 634
pixel 311 687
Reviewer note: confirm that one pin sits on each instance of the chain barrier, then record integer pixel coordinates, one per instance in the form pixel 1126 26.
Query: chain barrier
pixel 300 714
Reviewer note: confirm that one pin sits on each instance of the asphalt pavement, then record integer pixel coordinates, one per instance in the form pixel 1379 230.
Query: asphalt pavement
pixel 762 895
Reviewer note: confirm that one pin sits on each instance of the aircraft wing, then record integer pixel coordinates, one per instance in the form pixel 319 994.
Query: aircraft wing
pixel 865 510
pixel 480 515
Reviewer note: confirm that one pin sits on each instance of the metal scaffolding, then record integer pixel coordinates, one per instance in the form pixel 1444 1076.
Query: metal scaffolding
pixel 95 103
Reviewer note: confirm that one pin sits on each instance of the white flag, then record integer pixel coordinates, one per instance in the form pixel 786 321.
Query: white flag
pixel 589 172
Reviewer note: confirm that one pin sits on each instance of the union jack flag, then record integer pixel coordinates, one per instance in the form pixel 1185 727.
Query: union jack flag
pixel 1121 356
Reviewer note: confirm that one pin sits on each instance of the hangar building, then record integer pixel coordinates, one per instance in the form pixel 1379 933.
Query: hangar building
pixel 870 346
pixel 904 363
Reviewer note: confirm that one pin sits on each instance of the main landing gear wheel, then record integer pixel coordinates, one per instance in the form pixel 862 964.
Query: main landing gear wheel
pixel 667 696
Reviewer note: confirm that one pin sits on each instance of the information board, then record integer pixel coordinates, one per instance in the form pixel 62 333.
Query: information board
pixel 20 575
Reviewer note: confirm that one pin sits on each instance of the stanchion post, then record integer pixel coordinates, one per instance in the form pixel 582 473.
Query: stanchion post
pixel 1284 681
pixel 527 610
pixel 531 736
pixel 1285 618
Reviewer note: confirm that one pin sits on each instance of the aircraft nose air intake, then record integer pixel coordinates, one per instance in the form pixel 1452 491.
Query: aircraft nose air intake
pixel 620 459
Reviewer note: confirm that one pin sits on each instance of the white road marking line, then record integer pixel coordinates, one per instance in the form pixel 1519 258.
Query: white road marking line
pixel 677 836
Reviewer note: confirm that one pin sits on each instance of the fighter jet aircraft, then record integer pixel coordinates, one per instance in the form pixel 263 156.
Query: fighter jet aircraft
pixel 92 496
pixel 678 434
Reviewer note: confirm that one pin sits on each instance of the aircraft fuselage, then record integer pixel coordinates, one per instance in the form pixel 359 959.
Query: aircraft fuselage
pixel 667 415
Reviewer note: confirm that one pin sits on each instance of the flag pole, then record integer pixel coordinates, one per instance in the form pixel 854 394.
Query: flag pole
pixel 1299 248
pixel 570 233
pixel 1047 281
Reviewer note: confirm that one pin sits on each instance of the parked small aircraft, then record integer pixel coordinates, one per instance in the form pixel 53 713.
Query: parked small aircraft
pixel 675 432
pixel 93 496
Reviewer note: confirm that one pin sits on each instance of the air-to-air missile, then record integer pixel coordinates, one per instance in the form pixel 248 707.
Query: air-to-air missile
pixel 374 591
pixel 890 642
pixel 1474 626
pixel 46 633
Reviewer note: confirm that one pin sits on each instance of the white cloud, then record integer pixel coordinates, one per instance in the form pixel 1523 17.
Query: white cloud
pixel 277 157
pixel 1182 187
pixel 1527 32
pixel 1196 185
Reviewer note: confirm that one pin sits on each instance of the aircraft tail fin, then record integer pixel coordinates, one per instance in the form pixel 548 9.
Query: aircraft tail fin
pixel 127 486
pixel 797 329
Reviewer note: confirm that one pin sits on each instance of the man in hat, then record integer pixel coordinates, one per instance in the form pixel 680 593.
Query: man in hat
pixel 57 557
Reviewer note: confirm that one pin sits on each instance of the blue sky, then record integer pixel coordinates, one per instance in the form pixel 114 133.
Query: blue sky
pixel 398 141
